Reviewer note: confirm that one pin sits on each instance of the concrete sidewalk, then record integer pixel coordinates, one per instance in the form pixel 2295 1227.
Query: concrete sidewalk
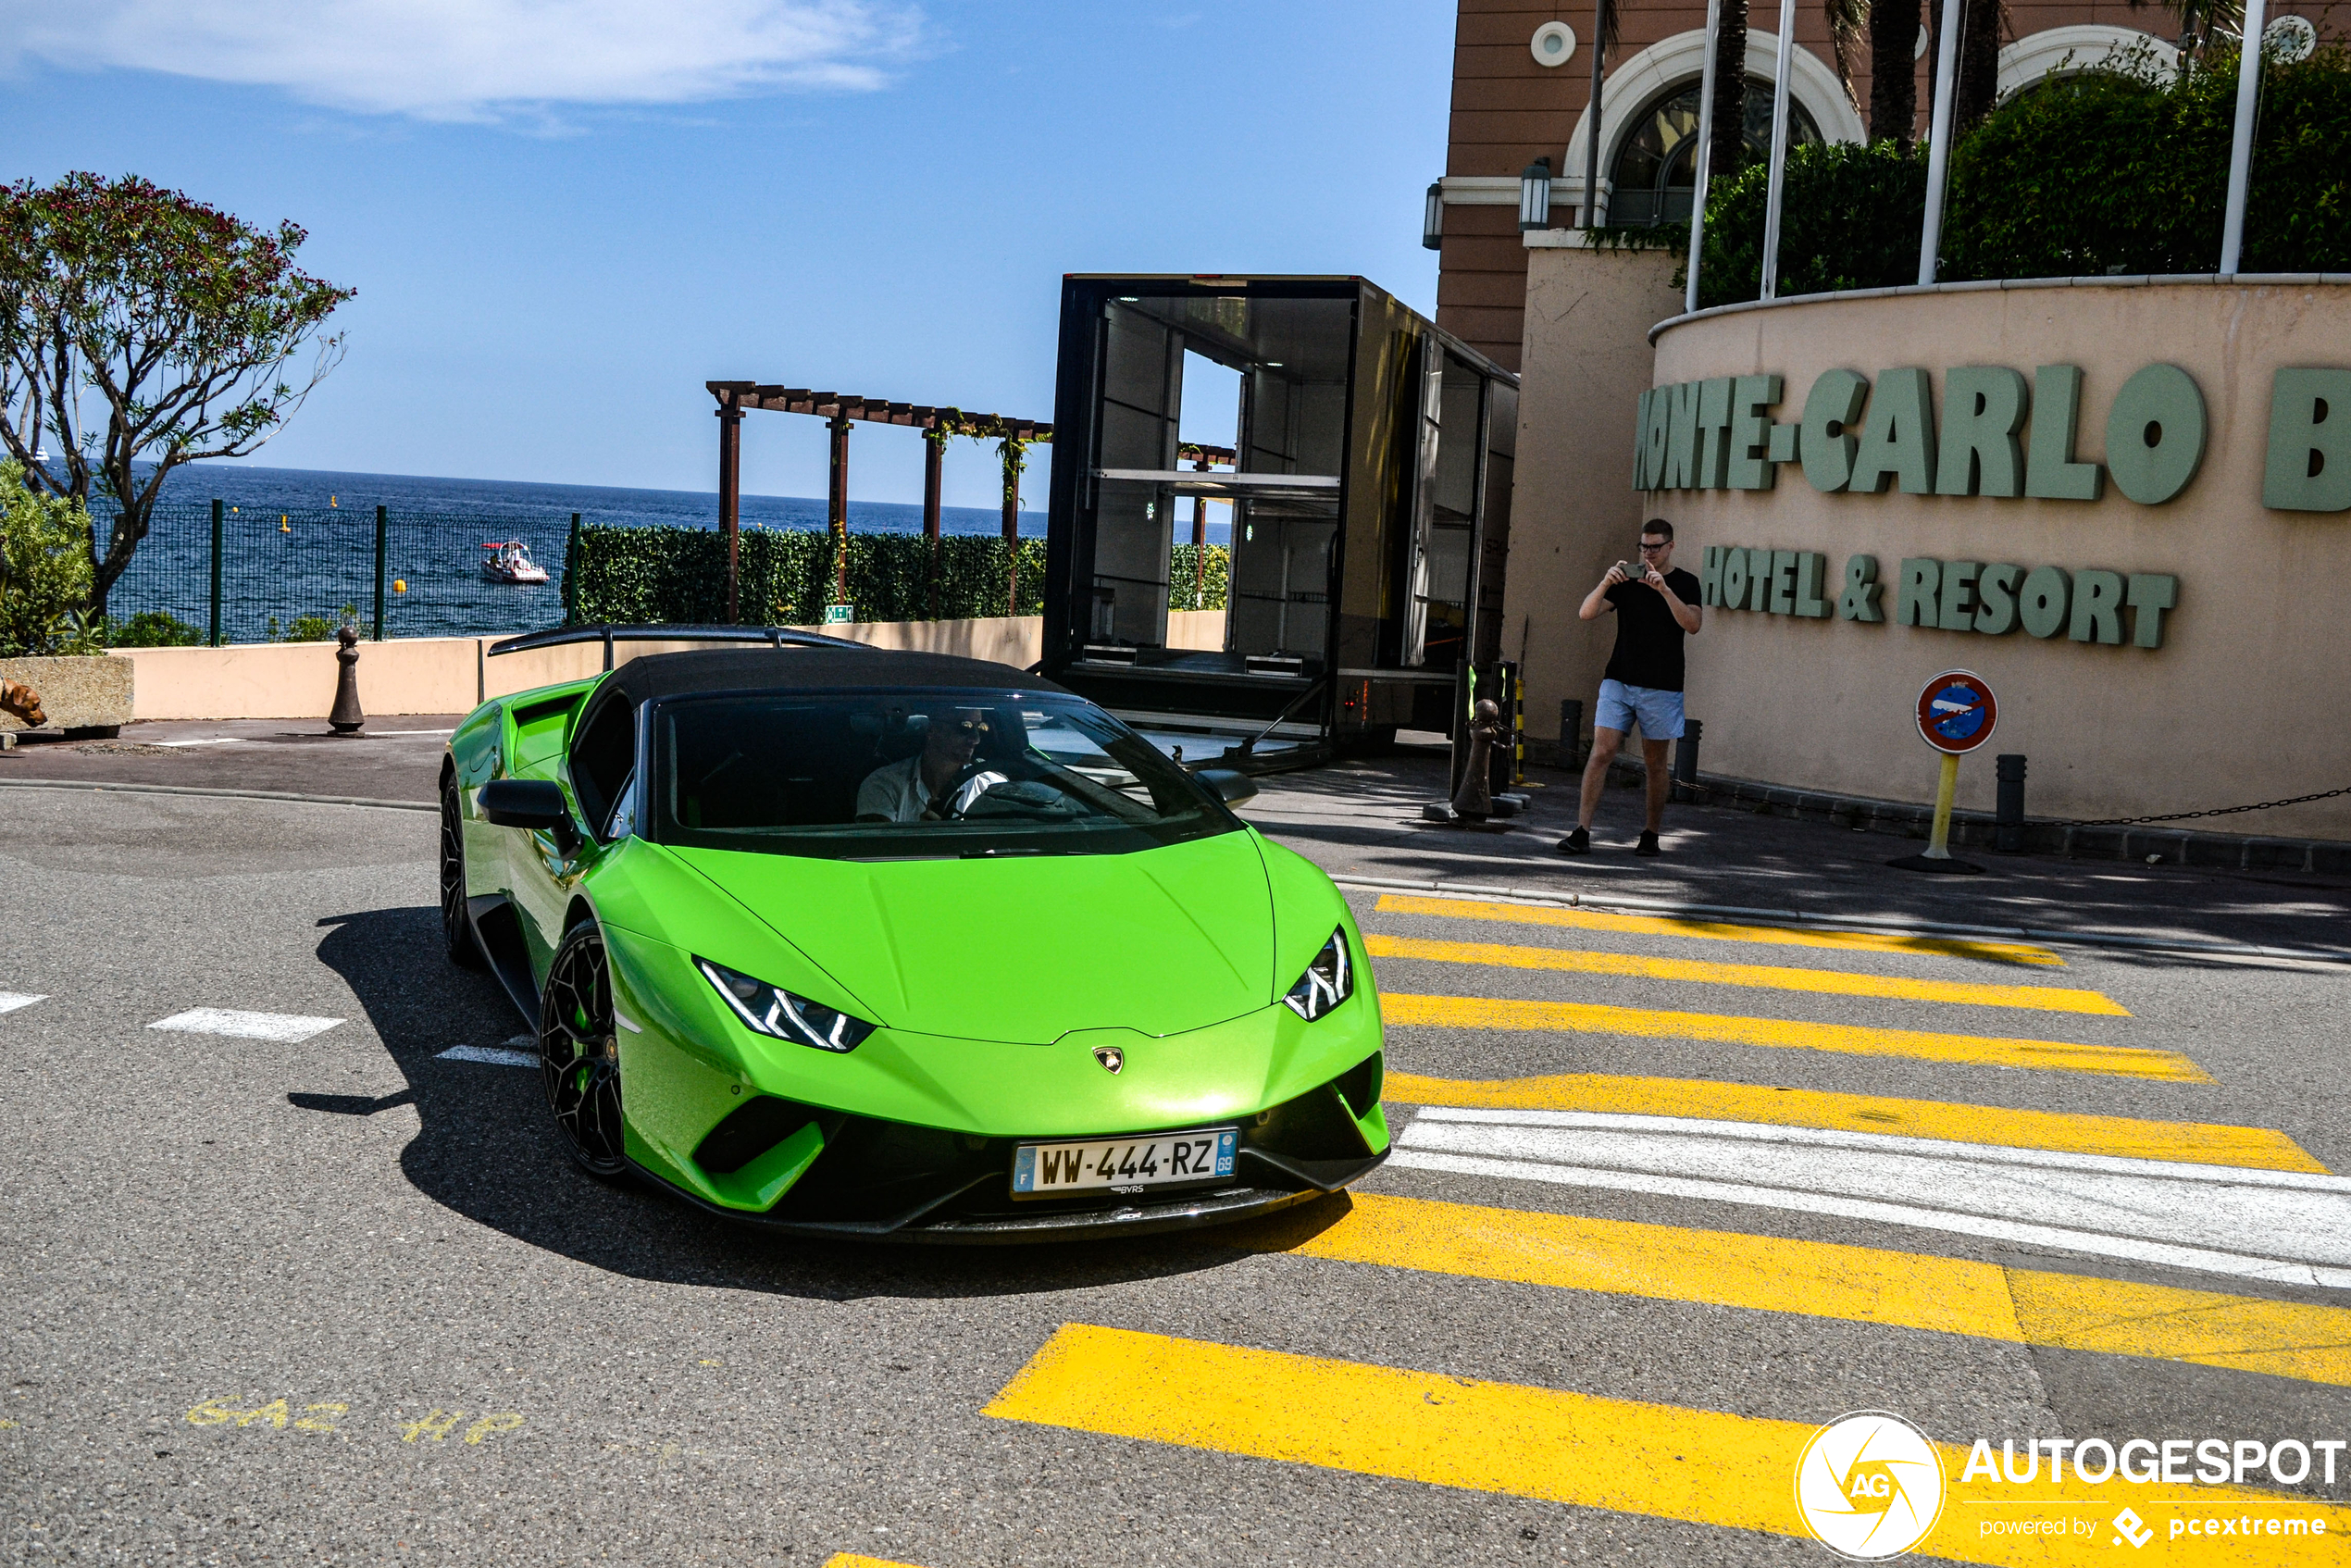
pixel 392 759
pixel 1361 819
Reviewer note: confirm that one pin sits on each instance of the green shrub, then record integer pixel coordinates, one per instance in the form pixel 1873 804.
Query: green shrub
pixel 1182 571
pixel 45 572
pixel 2126 169
pixel 314 628
pixel 1850 219
pixel 2121 168
pixel 152 628
pixel 787 576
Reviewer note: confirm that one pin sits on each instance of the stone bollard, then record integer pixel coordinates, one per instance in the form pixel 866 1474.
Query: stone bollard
pixel 1685 775
pixel 346 718
pixel 2008 832
pixel 1473 801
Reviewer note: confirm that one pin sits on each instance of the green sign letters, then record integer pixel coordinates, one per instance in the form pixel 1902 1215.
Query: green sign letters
pixel 2087 605
pixel 1998 437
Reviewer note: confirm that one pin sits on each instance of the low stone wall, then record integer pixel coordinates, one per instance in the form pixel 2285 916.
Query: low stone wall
pixel 452 675
pixel 75 693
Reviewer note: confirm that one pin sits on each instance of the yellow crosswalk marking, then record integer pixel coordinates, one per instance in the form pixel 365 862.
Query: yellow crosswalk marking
pixel 1717 931
pixel 1485 1013
pixel 2197 1143
pixel 1825 1280
pixel 1772 977
pixel 851 1559
pixel 1664 1461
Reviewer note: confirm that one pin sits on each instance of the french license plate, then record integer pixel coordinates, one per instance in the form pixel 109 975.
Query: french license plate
pixel 1045 1170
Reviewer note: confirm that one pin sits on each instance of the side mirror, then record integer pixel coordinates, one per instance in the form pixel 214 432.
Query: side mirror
pixel 536 806
pixel 1229 785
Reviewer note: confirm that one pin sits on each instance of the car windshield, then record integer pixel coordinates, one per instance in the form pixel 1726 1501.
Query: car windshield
pixel 917 775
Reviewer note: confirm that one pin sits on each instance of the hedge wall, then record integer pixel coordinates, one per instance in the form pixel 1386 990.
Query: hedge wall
pixel 679 575
pixel 1181 568
pixel 2144 174
pixel 1849 219
pixel 2122 168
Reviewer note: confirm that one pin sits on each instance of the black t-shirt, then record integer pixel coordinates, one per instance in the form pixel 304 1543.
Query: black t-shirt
pixel 1649 640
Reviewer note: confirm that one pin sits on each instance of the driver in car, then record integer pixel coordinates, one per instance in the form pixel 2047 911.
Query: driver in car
pixel 916 790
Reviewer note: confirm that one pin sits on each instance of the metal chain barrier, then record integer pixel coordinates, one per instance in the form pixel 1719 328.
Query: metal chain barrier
pixel 2191 816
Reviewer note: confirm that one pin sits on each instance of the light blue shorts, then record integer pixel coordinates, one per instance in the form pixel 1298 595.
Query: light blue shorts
pixel 1659 711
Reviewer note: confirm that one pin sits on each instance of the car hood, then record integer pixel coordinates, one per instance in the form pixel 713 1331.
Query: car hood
pixel 1024 949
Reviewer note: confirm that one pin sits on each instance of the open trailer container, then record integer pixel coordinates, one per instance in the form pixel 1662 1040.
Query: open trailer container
pixel 1370 502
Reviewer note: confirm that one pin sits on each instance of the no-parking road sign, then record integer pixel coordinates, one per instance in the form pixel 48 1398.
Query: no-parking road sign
pixel 1956 711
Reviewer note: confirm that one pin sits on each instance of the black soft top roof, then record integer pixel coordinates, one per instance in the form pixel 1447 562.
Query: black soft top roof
pixel 812 669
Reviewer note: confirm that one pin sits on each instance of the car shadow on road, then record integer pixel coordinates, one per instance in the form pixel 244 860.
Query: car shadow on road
pixel 487 1149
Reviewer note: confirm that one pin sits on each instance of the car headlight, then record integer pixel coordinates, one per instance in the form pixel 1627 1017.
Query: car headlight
pixel 1328 981
pixel 775 1011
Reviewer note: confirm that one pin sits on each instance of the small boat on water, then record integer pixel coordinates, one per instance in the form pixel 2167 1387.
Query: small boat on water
pixel 510 562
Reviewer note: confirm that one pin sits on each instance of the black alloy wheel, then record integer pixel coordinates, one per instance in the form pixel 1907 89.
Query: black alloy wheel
pixel 579 1052
pixel 457 931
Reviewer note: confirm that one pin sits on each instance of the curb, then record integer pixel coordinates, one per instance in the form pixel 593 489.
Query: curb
pixel 1800 919
pixel 217 794
pixel 1975 829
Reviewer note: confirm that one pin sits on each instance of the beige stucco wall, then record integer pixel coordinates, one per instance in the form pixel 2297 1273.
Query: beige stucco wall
pixel 449 675
pixel 1574 510
pixel 2240 705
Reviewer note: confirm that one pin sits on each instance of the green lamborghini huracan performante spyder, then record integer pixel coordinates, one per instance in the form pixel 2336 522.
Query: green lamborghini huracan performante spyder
pixel 904 946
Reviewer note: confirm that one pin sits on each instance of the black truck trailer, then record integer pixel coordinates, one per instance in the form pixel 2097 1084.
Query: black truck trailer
pixel 1370 489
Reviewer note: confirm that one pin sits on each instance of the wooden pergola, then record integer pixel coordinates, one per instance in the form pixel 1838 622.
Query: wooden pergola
pixel 841 411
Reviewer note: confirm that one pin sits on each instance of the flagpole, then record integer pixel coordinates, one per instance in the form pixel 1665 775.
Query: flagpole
pixel 1938 148
pixel 1592 142
pixel 1779 151
pixel 2249 63
pixel 1705 149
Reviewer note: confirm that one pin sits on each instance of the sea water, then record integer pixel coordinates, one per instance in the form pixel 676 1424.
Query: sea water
pixel 300 542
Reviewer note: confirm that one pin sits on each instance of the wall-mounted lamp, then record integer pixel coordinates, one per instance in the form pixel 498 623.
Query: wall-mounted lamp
pixel 1433 218
pixel 1534 195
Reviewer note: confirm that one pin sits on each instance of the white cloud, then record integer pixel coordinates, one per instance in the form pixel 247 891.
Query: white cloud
pixel 477 59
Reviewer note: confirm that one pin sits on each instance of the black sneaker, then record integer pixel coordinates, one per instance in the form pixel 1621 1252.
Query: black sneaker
pixel 1647 845
pixel 1577 842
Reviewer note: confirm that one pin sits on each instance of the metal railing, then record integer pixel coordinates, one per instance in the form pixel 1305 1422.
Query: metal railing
pixel 226 575
pixel 215 574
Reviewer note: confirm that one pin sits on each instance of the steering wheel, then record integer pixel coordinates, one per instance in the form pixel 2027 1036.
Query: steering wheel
pixel 971 772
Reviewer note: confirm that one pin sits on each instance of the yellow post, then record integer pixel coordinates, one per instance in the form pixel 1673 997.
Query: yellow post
pixel 1946 789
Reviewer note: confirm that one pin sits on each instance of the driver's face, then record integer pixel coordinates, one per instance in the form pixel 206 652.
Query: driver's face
pixel 956 734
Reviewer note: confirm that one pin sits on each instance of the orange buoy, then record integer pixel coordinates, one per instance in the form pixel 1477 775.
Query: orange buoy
pixel 400 585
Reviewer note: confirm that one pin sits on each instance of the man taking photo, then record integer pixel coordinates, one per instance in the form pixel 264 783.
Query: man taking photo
pixel 1655 609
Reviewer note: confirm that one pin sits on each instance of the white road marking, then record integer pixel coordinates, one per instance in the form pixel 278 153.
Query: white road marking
pixel 288 1027
pixel 208 741
pixel 11 1001
pixel 489 1055
pixel 2262 1224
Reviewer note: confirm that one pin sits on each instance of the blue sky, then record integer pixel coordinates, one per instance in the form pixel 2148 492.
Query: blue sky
pixel 564 216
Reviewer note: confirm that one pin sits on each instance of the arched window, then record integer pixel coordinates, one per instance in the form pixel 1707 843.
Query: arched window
pixel 1656 165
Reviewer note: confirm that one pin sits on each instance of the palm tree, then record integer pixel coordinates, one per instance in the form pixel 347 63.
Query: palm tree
pixel 1729 149
pixel 1982 23
pixel 1846 19
pixel 1893 83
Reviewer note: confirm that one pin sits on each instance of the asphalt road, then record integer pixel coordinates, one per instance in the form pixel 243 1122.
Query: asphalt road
pixel 1664 1197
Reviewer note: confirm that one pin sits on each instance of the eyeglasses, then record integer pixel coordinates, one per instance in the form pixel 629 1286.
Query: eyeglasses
pixel 1658 548
pixel 968 728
